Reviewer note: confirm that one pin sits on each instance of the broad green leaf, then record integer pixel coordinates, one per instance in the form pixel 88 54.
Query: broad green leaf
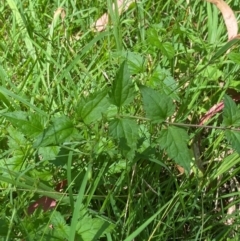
pixel 162 79
pixel 158 106
pixel 61 229
pixel 136 62
pixel 61 158
pixel 153 38
pixel 124 129
pixel 48 153
pixel 59 131
pixel 93 228
pixel 18 145
pixel 231 114
pixel 235 57
pixel 167 50
pixel 92 108
pixel 233 138
pixel 174 141
pixel 123 88
pixel 117 167
pixel 211 72
pixel 30 124
pixel 89 228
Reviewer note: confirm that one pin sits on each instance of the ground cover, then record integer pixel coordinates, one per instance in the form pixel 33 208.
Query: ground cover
pixel 124 127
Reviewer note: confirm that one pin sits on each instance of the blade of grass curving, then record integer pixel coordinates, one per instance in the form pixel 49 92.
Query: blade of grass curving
pixel 226 164
pixel 78 204
pixel 19 98
pixel 223 50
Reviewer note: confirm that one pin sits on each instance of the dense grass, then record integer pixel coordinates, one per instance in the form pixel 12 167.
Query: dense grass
pixel 51 65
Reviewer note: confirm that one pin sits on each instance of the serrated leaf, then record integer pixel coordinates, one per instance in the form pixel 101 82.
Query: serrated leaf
pixel 158 106
pixel 123 88
pixel 174 141
pixel 30 124
pixel 136 62
pixel 153 37
pixel 59 131
pixel 89 228
pixel 60 228
pixel 18 145
pixel 235 57
pixel 163 80
pixel 124 128
pixel 92 108
pixel 231 114
pixel 48 153
pixel 167 50
pixel 233 138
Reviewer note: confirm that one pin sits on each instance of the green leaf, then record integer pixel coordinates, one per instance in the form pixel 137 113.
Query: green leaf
pixel 174 141
pixel 211 72
pixel 61 229
pixel 89 228
pixel 126 132
pixel 231 114
pixel 18 145
pixel 233 138
pixel 91 108
pixel 30 124
pixel 124 128
pixel 59 131
pixel 162 79
pixel 48 153
pixel 167 50
pixel 153 38
pixel 235 57
pixel 136 62
pixel 158 106
pixel 123 88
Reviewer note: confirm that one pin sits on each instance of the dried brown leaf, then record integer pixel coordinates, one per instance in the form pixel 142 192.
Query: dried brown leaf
pixel 102 22
pixel 59 12
pixel 228 16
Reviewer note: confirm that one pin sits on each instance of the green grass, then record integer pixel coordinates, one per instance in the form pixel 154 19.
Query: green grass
pixel 80 106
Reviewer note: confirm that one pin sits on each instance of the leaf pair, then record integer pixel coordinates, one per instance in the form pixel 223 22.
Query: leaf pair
pixel 158 107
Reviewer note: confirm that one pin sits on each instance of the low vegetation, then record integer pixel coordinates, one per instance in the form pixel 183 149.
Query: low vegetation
pixel 125 132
